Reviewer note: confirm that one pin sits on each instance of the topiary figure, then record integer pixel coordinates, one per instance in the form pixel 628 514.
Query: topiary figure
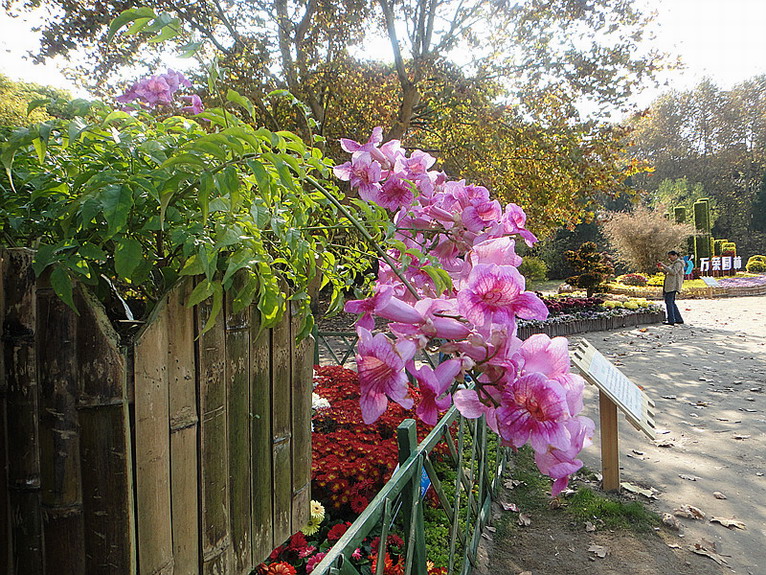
pixel 756 265
pixel 593 268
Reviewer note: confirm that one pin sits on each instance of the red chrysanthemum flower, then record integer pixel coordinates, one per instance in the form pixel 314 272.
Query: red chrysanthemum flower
pixel 337 531
pixel 281 568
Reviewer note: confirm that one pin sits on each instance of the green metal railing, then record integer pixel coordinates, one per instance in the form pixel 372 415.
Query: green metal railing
pixel 339 345
pixel 479 465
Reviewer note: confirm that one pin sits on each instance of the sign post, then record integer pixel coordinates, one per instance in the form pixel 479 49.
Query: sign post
pixel 615 391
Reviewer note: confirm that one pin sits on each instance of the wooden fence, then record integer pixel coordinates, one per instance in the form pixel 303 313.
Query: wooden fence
pixel 176 453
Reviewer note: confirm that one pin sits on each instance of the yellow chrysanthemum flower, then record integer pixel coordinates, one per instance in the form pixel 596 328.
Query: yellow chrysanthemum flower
pixel 312 526
pixel 317 511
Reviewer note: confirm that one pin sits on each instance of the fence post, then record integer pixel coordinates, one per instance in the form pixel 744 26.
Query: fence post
pixel 412 508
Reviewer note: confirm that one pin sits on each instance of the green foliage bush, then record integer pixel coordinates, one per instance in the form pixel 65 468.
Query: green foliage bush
pixel 756 264
pixel 592 268
pixel 134 200
pixel 534 269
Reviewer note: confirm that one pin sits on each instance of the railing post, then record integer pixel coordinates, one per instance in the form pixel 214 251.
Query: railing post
pixel 412 508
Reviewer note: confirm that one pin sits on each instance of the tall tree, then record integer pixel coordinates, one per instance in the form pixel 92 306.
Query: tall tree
pixel 715 139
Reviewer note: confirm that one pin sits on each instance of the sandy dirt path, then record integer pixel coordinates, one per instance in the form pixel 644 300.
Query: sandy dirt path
pixel 708 379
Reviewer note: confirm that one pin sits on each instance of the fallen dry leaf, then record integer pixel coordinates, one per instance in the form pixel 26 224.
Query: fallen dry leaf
pixel 702 550
pixel 741 437
pixel 648 493
pixel 491 529
pixel 487 536
pixel 510 507
pixel 524 520
pixel 718 495
pixel 669 521
pixel 688 477
pixel 664 443
pixel 598 550
pixel 589 526
pixel 729 523
pixel 511 483
pixel 689 512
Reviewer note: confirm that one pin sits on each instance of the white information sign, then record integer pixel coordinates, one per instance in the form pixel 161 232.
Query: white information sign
pixel 625 394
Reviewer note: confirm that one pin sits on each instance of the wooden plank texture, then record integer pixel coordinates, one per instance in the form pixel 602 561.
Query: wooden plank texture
pixel 302 385
pixel 281 428
pixel 214 447
pixel 59 433
pixel 6 565
pixel 240 447
pixel 184 425
pixel 261 470
pixel 152 447
pixel 22 410
pixel 105 450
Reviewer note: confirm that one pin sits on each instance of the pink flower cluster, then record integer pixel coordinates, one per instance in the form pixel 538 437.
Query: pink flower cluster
pixel 160 90
pixel 524 388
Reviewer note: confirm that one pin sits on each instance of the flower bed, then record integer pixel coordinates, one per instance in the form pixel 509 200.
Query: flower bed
pixel 351 462
pixel 571 314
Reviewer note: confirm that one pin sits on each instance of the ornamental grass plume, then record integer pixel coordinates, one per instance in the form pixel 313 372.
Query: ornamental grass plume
pixel 641 236
pixel 451 273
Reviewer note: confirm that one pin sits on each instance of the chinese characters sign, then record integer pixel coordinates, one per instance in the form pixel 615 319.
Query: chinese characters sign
pixel 720 264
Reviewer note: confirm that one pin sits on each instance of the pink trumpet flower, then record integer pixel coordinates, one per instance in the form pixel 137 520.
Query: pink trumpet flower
pixel 534 409
pixel 380 363
pixel 433 384
pixel 560 464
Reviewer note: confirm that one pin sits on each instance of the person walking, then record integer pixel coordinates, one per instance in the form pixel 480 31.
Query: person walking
pixel 674 280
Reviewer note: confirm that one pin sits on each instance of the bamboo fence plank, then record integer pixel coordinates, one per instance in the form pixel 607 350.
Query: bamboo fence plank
pixel 214 447
pixel 184 425
pixel 22 410
pixel 281 428
pixel 105 453
pixel 302 385
pixel 59 434
pixel 152 447
pixel 240 446
pixel 261 470
pixel 5 517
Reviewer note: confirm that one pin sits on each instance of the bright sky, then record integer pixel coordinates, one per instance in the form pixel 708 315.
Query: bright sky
pixel 721 39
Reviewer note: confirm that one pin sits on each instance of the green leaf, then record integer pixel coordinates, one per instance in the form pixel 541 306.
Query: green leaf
pixel 193 267
pixel 92 252
pixel 215 309
pixel 34 104
pixel 190 50
pixel 170 30
pixel 186 159
pixel 62 285
pixel 45 256
pixel 271 299
pixel 137 26
pixel 116 204
pixel 126 17
pixel 240 100
pixel 441 278
pixel 128 254
pixel 201 292
pixel 40 147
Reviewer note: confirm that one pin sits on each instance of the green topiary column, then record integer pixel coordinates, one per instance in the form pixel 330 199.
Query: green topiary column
pixel 679 214
pixel 703 241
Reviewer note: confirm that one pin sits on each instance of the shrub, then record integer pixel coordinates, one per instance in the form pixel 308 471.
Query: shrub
pixel 534 269
pixel 756 264
pixel 592 267
pixel 633 280
pixel 643 236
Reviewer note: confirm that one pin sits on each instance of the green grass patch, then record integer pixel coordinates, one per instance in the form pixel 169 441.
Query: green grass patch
pixel 531 494
pixel 615 513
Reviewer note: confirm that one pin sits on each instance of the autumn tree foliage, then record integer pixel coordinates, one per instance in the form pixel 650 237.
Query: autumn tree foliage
pixel 509 112
pixel 592 267
pixel 716 140
pixel 643 236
